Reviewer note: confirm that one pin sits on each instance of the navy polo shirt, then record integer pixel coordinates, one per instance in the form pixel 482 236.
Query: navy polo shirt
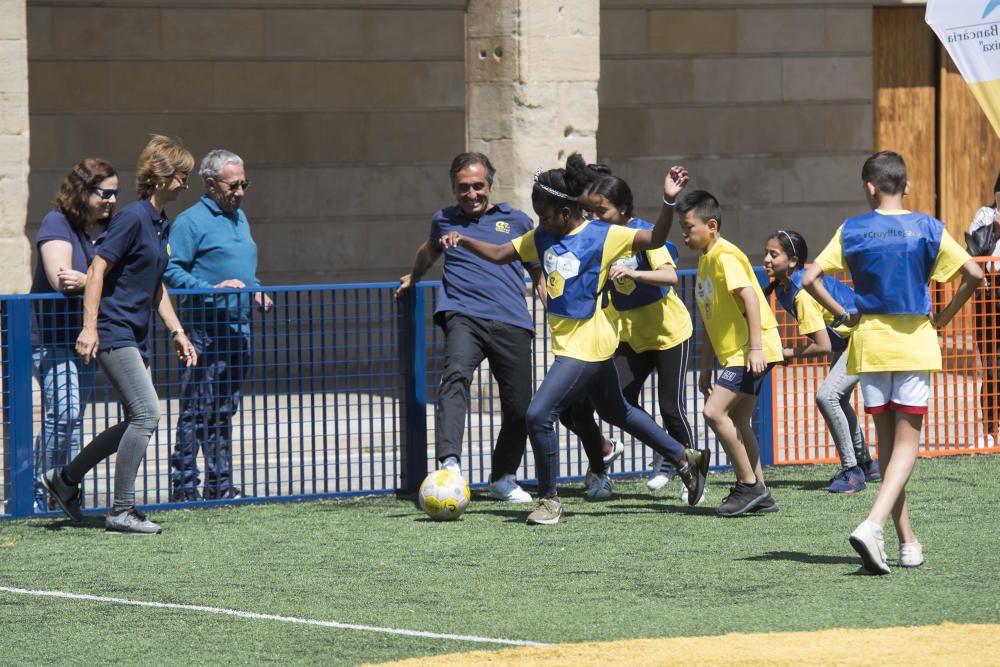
pixel 58 322
pixel 135 243
pixel 474 286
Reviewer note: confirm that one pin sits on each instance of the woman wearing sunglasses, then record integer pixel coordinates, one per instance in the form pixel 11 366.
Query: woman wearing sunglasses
pixel 123 289
pixel 66 245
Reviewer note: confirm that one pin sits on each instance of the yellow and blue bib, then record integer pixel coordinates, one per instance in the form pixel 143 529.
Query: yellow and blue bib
pixel 572 266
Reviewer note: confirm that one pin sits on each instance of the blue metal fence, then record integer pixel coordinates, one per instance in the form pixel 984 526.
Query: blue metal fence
pixel 339 401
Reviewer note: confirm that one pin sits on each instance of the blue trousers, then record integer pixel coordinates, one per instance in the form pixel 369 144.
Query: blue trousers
pixel 210 396
pixel 569 380
pixel 67 385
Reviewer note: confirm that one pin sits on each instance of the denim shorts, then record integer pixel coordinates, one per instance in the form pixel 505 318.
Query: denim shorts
pixel 738 379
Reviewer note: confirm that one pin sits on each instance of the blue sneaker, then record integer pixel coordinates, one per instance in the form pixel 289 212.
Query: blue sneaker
pixel 848 480
pixel 872 472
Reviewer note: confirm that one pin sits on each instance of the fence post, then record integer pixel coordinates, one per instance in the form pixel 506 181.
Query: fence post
pixel 765 421
pixel 17 408
pixel 413 370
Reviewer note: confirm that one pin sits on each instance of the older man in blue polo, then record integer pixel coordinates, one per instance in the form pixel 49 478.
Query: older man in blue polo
pixel 211 247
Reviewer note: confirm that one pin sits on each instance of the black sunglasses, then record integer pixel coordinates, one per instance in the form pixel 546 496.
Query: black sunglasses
pixel 106 193
pixel 236 184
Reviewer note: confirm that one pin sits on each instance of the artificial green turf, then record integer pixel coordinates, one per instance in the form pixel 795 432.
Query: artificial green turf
pixel 641 565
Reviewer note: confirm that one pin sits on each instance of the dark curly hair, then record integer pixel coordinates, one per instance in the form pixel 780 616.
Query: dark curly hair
pixel 570 183
pixel 78 185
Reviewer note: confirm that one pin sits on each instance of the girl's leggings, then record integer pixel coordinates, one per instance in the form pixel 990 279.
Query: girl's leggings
pixel 569 380
pixel 833 398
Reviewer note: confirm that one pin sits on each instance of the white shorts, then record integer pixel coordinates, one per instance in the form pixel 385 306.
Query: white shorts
pixel 902 391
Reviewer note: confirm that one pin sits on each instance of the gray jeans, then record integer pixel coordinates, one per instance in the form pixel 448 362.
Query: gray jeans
pixel 833 398
pixel 128 374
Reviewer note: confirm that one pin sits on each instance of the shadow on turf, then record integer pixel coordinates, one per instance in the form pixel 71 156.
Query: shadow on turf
pixel 89 523
pixel 801 484
pixel 801 557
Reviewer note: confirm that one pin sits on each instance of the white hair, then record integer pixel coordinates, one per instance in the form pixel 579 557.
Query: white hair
pixel 215 160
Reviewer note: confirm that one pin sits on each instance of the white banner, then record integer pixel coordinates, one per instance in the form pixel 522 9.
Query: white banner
pixel 970 32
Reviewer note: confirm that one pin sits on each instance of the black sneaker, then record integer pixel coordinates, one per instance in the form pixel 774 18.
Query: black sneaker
pixel 184 494
pixel 767 505
pixel 694 472
pixel 66 495
pixel 743 498
pixel 225 494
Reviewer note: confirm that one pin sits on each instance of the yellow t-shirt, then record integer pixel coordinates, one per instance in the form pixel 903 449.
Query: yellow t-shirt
pixel 660 325
pixel 814 317
pixel 721 271
pixel 896 342
pixel 596 338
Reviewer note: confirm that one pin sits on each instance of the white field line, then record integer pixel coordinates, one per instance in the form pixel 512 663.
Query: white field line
pixel 268 617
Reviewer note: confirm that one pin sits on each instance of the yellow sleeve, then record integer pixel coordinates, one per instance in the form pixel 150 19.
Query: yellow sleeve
pixel 832 259
pixel 524 246
pixel 950 259
pixel 735 273
pixel 657 257
pixel 810 313
pixel 618 244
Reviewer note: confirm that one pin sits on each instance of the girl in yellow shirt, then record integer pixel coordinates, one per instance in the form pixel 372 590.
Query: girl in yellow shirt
pixel 576 255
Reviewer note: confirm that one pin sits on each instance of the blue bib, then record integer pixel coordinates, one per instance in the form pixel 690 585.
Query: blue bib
pixel 572 266
pixel 840 292
pixel 891 258
pixel 633 293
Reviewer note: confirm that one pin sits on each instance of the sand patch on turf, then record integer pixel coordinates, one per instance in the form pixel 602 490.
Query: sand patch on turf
pixel 948 644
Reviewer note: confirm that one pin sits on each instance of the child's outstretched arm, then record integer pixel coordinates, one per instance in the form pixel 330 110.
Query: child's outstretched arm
pixel 972 275
pixel 664 276
pixel 819 343
pixel 756 362
pixel 491 252
pixel 673 183
pixel 812 281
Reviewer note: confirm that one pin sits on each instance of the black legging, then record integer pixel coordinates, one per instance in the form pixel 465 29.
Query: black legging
pixel 633 369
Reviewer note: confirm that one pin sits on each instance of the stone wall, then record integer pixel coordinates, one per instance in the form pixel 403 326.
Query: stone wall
pixel 14 247
pixel 347 113
pixel 769 104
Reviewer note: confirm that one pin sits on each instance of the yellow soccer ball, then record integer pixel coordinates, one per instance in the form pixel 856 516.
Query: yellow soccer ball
pixel 443 495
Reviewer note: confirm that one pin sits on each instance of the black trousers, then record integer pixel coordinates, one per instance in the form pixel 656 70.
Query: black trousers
pixel 469 340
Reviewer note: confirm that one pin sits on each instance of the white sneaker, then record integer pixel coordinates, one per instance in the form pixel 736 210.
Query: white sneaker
pixel 685 495
pixel 507 489
pixel 617 449
pixel 868 539
pixel 452 464
pixel 911 554
pixel 660 476
pixel 985 442
pixel 658 480
pixel 600 489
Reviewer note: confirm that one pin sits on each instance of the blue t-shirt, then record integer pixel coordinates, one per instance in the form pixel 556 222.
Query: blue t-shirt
pixel 474 286
pixel 208 246
pixel 135 243
pixel 57 322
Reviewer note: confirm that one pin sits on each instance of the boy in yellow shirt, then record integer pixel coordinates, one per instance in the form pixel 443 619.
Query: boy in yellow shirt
pixel 740 330
pixel 892 254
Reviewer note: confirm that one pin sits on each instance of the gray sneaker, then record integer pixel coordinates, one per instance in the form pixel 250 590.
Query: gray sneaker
pixel 548 512
pixel 66 495
pixel 130 521
pixel 599 487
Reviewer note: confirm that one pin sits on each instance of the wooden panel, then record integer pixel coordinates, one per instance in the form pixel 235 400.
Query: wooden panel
pixel 904 79
pixel 969 151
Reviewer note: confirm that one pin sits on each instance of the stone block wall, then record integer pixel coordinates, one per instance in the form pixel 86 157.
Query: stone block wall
pixel 14 247
pixel 768 103
pixel 347 114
